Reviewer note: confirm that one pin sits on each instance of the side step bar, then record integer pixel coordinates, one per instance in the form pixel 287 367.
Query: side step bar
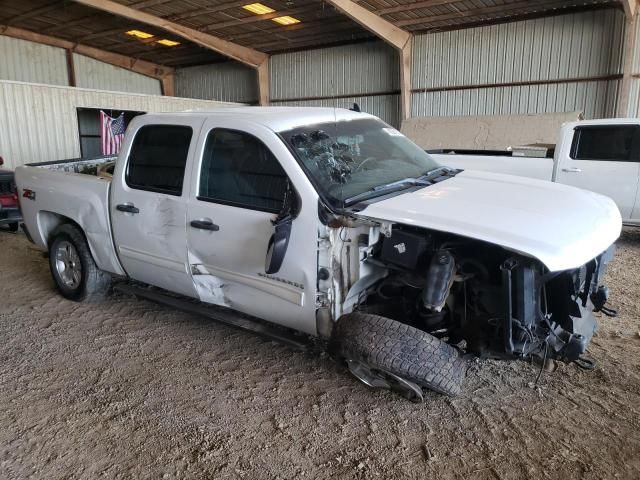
pixel 219 314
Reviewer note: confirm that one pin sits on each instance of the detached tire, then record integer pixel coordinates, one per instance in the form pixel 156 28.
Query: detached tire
pixel 402 350
pixel 72 266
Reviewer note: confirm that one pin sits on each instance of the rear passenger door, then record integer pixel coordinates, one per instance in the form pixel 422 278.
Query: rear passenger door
pixel 239 188
pixel 149 204
pixel 605 159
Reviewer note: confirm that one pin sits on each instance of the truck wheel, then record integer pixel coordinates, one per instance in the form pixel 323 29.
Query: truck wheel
pixel 13 227
pixel 396 348
pixel 73 268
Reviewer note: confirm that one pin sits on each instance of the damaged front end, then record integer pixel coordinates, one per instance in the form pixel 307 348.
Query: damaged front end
pixel 482 298
pixel 550 314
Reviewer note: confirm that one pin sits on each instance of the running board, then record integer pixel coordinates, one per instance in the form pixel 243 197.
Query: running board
pixel 220 315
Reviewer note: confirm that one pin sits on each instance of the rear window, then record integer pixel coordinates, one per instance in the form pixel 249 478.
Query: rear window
pixel 158 157
pixel 609 143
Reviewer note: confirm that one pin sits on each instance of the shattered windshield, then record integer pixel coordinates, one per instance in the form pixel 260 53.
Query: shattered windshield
pixel 347 159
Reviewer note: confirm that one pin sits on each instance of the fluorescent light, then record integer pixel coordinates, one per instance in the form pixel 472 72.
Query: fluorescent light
pixel 258 8
pixel 286 20
pixel 139 34
pixel 168 43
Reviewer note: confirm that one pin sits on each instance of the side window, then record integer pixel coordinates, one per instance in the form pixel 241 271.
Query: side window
pixel 158 157
pixel 610 143
pixel 238 169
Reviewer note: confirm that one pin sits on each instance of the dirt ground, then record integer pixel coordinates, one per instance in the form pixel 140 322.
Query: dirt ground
pixel 129 389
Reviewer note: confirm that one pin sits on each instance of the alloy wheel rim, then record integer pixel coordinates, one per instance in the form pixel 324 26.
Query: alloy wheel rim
pixel 68 266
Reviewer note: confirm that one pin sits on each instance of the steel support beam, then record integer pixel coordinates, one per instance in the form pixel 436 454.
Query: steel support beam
pixel 400 39
pixel 168 83
pixel 624 109
pixel 630 7
pixel 248 56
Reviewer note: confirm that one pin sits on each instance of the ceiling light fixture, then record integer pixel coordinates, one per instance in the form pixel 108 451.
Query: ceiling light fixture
pixel 168 43
pixel 139 34
pixel 258 8
pixel 286 20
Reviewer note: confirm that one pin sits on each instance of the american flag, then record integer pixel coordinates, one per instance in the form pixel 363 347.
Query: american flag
pixel 111 133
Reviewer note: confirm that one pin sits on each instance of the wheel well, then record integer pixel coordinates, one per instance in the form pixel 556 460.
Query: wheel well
pixel 48 222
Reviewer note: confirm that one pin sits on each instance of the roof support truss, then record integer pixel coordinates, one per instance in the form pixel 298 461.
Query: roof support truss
pixel 248 56
pixel 624 107
pixel 630 7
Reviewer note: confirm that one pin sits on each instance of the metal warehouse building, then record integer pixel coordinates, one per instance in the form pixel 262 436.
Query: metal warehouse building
pixel 424 59
pixel 320 239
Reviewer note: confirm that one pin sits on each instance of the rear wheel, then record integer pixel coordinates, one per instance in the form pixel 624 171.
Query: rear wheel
pixel 395 349
pixel 72 266
pixel 13 227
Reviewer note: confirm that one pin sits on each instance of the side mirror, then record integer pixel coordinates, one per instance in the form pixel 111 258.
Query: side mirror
pixel 278 244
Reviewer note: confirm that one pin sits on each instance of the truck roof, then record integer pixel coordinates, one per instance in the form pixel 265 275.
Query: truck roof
pixel 276 118
pixel 607 121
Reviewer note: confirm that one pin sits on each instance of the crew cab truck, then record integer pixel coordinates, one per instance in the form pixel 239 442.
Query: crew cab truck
pixel 598 155
pixel 331 223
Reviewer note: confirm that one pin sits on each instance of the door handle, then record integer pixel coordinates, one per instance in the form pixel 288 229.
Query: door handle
pixel 205 224
pixel 572 170
pixel 127 208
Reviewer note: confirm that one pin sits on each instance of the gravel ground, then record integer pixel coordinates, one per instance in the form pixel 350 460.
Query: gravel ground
pixel 129 389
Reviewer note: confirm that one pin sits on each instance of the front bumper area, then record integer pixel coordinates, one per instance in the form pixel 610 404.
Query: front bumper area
pixel 552 313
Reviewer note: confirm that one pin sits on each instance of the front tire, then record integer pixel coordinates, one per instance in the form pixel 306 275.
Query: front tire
pixel 391 346
pixel 74 271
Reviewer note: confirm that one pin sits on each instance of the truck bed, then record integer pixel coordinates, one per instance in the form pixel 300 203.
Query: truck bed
pixel 54 192
pixel 85 166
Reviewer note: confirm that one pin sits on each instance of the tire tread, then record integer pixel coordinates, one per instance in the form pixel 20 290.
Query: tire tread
pixel 400 349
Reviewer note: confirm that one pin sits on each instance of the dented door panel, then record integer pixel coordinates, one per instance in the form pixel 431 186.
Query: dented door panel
pixel 228 264
pixel 149 226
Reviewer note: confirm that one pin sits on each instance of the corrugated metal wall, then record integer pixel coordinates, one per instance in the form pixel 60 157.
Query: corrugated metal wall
pixel 595 99
pixel 229 81
pixel 552 64
pixel 366 73
pixel 92 73
pixel 39 122
pixel 346 70
pixel 24 61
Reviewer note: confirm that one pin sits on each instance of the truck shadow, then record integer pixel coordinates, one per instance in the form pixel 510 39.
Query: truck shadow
pixel 630 236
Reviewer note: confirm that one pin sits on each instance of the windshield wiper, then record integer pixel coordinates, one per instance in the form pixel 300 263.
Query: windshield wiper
pixel 432 175
pixel 387 188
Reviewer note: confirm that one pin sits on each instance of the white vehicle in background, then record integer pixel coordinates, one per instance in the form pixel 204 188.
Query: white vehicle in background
pixel 602 156
pixel 331 223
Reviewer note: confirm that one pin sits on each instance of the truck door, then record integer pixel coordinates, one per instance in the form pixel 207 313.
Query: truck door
pixel 239 188
pixel 148 204
pixel 604 159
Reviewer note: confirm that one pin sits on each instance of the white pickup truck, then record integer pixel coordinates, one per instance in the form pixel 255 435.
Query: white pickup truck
pixel 331 223
pixel 598 155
